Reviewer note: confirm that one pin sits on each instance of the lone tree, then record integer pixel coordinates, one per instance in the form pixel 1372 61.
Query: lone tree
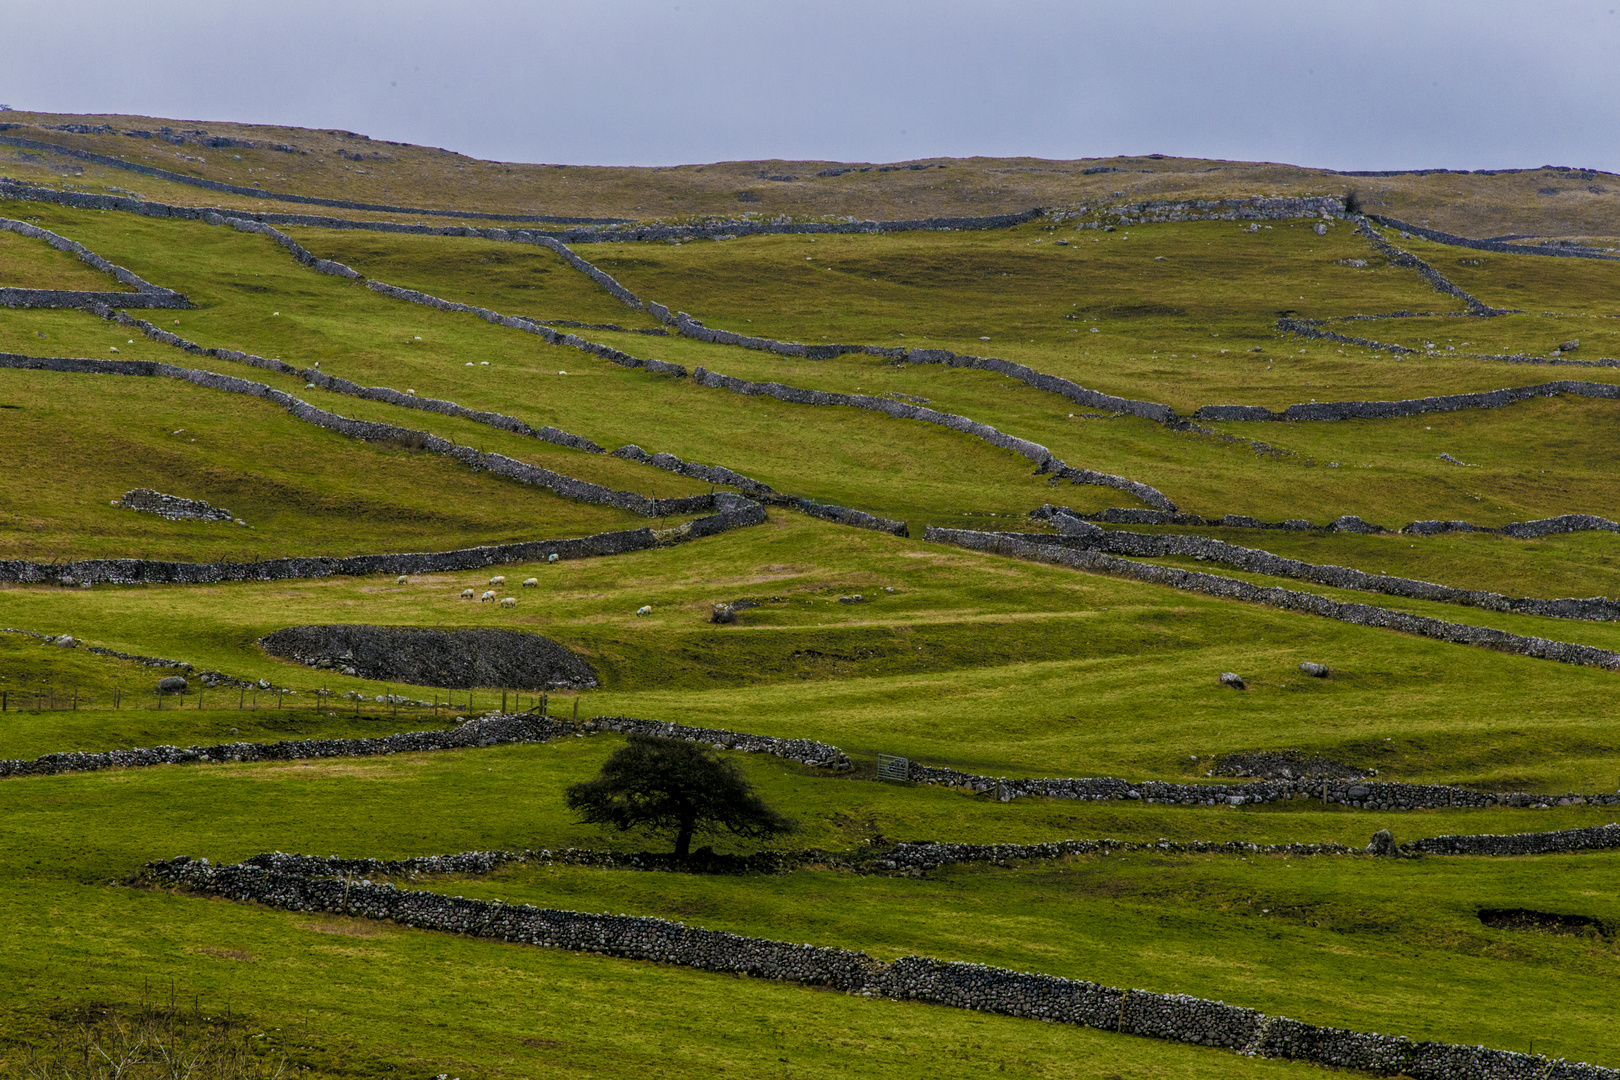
pixel 671 785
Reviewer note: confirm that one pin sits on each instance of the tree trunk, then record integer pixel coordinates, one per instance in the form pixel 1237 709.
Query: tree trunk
pixel 683 839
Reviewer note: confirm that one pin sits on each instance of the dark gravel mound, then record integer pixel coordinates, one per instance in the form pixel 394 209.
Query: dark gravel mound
pixel 454 659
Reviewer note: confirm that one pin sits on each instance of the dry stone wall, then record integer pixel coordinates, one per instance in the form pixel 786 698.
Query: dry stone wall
pixel 1035 452
pixel 735 512
pixel 1399 257
pixel 1597 838
pixel 146 295
pixel 1148 410
pixel 489 731
pixel 1380 410
pixel 499 464
pixel 1355 794
pixel 304 256
pixel 803 751
pixel 1564 523
pixel 1254 560
pixel 1172 1017
pixel 370 393
pixel 573 341
pixel 1286 599
pixel 1489 245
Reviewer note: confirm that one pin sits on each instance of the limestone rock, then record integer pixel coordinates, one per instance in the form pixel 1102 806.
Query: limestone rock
pixel 1314 670
pixel 171 684
pixel 1383 843
pixel 1234 680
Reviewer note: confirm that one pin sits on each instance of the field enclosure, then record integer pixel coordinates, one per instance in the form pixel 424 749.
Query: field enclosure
pixel 1008 500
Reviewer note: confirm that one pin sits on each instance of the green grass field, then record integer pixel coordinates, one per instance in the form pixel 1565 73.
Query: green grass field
pixel 951 657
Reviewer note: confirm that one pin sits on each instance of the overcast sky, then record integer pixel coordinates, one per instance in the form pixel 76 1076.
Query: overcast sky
pixel 1373 84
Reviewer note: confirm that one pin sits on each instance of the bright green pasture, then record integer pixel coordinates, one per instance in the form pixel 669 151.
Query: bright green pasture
pixel 899 469
pixel 301 490
pixel 1336 927
pixel 26 263
pixel 1540 458
pixel 1395 947
pixel 979 662
pixel 512 278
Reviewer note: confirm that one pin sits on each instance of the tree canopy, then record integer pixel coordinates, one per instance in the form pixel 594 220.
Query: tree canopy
pixel 669 785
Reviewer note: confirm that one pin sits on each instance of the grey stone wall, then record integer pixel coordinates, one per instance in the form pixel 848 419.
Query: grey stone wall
pixel 146 295
pixel 1489 245
pixel 1173 1017
pixel 1597 838
pixel 1045 461
pixel 803 751
pixel 692 328
pixel 1355 794
pixel 1254 560
pixel 1288 600
pixel 304 256
pixel 1400 257
pixel 370 393
pixel 573 341
pixel 1368 410
pixel 1564 523
pixel 499 464
pixel 489 731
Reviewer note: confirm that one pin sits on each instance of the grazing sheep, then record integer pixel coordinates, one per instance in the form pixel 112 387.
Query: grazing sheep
pixel 402 580
pixel 644 609
pixel 508 601
pixel 498 579
pixel 488 597
pixel 466 594
pixel 530 583
pixel 552 557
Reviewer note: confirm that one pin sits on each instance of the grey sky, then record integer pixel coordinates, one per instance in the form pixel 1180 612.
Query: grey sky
pixel 1370 84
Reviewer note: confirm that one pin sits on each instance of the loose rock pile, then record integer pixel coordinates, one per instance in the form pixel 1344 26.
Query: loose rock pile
pixel 456 659
pixel 172 506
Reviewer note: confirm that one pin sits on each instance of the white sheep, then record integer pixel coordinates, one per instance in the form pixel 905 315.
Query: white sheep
pixel 644 609
pixel 530 583
pixel 498 579
pixel 402 580
pixel 552 557
pixel 466 594
pixel 488 597
pixel 508 601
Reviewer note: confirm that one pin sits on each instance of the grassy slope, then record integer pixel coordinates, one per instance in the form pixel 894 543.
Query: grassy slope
pixel 901 469
pixel 973 661
pixel 1303 936
pixel 32 264
pixel 301 489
